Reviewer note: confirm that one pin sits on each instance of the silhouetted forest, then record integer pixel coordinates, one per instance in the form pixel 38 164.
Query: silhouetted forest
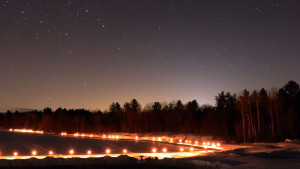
pixel 259 115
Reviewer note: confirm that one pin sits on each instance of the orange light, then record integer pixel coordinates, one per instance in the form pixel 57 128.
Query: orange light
pixel 208 143
pixel 159 139
pixel 82 135
pixel 181 149
pixel 218 145
pixel 196 142
pixel 103 135
pixel 124 151
pixel 204 143
pixel 107 151
pixel 91 135
pixel 117 137
pixel 89 152
pixel 136 137
pixel 154 150
pixel 171 140
pixel 15 153
pixel 71 151
pixel 153 138
pixel 186 141
pixel 164 150
pixel 50 152
pixel 191 149
pixel 33 152
pixel 180 141
pixel 213 145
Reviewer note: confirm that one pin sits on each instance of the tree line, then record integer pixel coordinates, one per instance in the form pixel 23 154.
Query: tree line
pixel 259 115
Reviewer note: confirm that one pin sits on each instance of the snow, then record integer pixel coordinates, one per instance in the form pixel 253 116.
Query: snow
pixel 231 156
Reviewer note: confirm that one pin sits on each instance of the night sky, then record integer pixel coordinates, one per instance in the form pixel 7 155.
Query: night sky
pixel 87 54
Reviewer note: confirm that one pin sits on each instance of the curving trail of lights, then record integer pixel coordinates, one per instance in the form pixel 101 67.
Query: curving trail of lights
pixel 186 148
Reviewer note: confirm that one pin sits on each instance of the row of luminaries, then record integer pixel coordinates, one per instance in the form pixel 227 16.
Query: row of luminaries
pixel 89 152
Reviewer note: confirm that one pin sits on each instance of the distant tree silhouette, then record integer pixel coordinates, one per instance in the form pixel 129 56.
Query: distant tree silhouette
pixel 263 115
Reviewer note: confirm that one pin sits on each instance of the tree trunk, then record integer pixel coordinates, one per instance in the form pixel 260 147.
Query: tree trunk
pixel 258 121
pixel 277 118
pixel 272 118
pixel 243 117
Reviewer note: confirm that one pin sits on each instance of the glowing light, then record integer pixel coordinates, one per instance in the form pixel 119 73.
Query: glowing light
pixel 154 150
pixel 89 152
pixel 10 129
pixel 109 136
pixel 196 142
pixel 204 143
pixel 91 135
pixel 50 152
pixel 136 137
pixel 113 136
pixel 33 152
pixel 153 139
pixel 159 139
pixel 190 142
pixel 164 150
pixel 208 143
pixel 218 145
pixel 186 141
pixel 71 152
pixel 117 137
pixel 107 151
pixel 124 151
pixel 171 140
pixel 191 149
pixel 213 145
pixel 181 149
pixel 82 135
pixel 103 136
pixel 76 134
pixel 15 153
pixel 180 141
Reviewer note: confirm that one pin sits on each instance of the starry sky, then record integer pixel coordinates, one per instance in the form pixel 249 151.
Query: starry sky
pixel 89 53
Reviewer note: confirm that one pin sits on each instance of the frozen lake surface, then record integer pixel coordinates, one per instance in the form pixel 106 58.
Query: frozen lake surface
pixel 24 143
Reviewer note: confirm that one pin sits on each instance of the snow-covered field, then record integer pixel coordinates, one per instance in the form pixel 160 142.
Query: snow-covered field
pixel 235 156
